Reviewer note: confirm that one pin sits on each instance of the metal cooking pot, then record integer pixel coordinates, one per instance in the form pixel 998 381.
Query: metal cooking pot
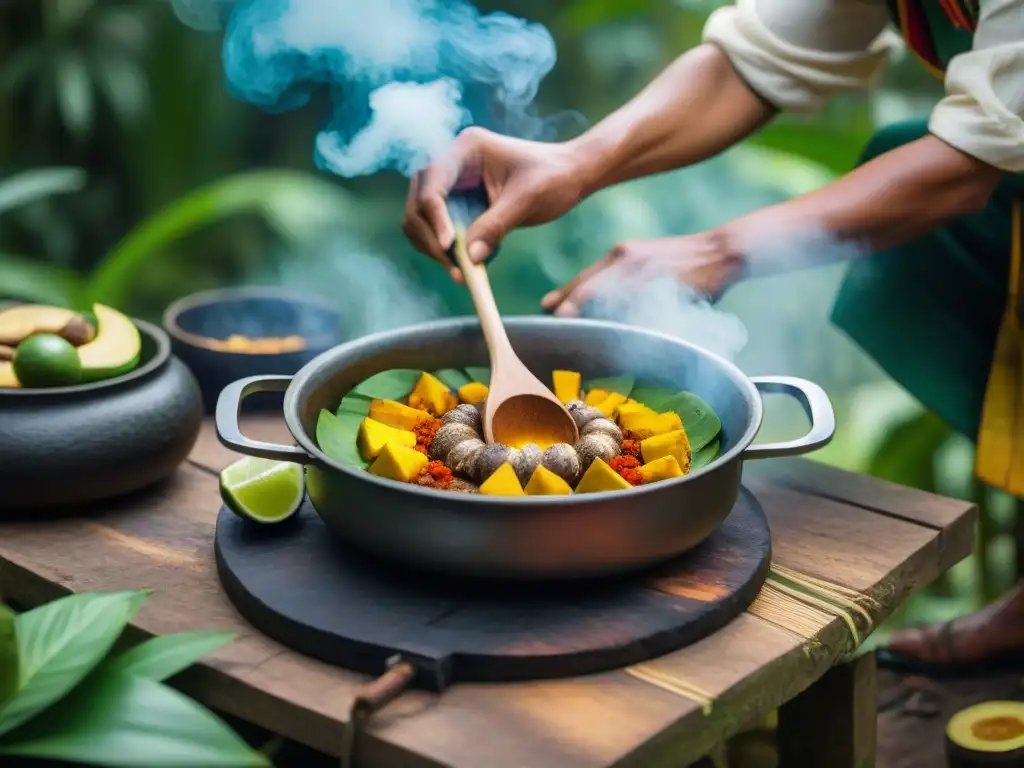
pixel 533 537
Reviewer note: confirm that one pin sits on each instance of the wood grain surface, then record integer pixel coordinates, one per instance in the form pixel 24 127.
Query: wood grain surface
pixel 890 543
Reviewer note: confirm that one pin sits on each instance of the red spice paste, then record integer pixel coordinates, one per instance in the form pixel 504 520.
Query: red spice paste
pixel 425 435
pixel 628 469
pixel 436 475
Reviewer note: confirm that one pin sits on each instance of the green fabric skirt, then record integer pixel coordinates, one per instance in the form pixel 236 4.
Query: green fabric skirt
pixel 929 311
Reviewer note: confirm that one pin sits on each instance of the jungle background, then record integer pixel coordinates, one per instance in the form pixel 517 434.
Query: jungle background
pixel 163 185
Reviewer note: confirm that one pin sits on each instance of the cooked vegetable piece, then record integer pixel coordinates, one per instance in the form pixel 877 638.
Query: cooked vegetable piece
pixel 473 393
pixel 664 468
pixel 610 405
pixel 566 385
pixel 397 415
pixel 503 482
pixel 673 444
pixel 595 396
pixel 544 482
pixel 374 436
pixel 990 733
pixel 700 422
pixel 398 462
pixel 432 395
pixel 600 477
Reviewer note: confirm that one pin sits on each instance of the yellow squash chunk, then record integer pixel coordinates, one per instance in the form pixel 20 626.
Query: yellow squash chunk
pixel 675 444
pixel 600 477
pixel 396 414
pixel 649 423
pixel 544 482
pixel 664 468
pixel 374 436
pixel 595 396
pixel 396 462
pixel 431 394
pixel 566 385
pixel 472 393
pixel 632 412
pixel 610 405
pixel 502 483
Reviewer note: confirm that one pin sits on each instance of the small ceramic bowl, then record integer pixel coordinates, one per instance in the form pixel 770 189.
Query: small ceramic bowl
pixel 64 447
pixel 226 335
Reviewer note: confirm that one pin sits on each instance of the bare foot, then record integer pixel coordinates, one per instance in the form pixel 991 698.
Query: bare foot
pixel 992 632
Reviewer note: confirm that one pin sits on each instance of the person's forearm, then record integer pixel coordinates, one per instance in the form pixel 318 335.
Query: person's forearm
pixel 890 200
pixel 694 109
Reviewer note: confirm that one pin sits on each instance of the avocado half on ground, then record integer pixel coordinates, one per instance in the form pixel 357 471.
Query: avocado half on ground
pixel 987 734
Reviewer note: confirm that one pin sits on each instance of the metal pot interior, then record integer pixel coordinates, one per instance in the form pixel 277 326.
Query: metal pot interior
pixel 594 348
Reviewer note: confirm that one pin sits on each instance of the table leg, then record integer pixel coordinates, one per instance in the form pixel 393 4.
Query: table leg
pixel 832 723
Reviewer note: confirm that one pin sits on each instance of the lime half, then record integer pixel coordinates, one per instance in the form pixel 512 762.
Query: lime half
pixel 263 490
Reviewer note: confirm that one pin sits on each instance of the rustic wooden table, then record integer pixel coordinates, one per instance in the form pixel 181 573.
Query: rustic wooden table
pixel 875 538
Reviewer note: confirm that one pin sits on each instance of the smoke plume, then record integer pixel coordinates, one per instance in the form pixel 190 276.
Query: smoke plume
pixel 403 76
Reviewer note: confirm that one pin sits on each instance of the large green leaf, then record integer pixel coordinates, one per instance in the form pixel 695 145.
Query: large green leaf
pixel 121 720
pixel 701 423
pixel 60 643
pixel 388 385
pixel 453 378
pixel 705 455
pixel 161 657
pixel 29 186
pixel 38 282
pixel 906 455
pixel 357 405
pixel 654 398
pixel 621 384
pixel 8 655
pixel 338 437
pixel 479 373
pixel 296 204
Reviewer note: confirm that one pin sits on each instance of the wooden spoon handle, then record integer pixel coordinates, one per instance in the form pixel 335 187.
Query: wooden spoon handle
pixel 479 286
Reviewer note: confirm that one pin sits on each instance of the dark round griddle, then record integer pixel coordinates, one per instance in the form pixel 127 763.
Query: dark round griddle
pixel 299 585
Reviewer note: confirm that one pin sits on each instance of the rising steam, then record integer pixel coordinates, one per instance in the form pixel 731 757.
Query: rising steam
pixel 404 76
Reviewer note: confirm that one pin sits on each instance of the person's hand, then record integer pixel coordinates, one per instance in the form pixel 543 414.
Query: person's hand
pixel 703 261
pixel 527 183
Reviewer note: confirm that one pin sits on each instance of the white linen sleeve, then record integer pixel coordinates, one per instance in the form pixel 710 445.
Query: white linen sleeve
pixel 983 112
pixel 796 54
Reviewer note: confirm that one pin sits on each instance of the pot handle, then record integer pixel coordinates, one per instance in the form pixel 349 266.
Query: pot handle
pixel 816 405
pixel 229 402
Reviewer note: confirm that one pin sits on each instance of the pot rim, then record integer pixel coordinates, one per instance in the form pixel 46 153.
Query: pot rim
pixel 159 359
pixel 220 295
pixel 291 415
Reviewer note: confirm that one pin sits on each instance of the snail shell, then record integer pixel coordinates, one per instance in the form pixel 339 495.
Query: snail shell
pixel 447 437
pixel 461 486
pixel 602 426
pixel 463 414
pixel 583 414
pixel 564 461
pixel 526 461
pixel 598 445
pixel 490 458
pixel 462 458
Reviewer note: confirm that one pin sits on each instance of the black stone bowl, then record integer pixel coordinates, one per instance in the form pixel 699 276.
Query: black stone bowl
pixel 72 446
pixel 195 323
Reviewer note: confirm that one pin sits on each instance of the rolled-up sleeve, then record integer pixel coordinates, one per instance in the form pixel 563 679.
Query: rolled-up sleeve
pixel 797 54
pixel 982 114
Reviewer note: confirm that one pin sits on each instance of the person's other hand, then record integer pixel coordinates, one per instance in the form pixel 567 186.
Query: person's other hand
pixel 527 183
pixel 701 261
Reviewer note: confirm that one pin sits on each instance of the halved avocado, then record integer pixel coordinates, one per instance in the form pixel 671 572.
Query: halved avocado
pixel 115 350
pixel 987 734
pixel 7 378
pixel 24 320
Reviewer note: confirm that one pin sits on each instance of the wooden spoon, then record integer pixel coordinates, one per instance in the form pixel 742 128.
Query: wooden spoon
pixel 519 408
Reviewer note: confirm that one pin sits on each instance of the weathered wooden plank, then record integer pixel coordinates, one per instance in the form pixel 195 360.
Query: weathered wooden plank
pixel 163 540
pixel 813 477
